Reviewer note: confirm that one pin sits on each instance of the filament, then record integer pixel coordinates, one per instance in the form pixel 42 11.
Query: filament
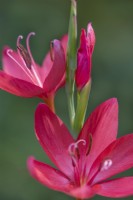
pixel 33 62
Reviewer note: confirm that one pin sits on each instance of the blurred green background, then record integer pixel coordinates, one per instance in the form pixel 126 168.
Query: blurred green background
pixel 112 77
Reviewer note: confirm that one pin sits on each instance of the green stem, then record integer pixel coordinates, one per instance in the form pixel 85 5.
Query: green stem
pixel 50 102
pixel 71 60
pixel 72 39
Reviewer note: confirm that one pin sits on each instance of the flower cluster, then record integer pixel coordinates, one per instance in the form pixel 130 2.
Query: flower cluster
pixel 84 166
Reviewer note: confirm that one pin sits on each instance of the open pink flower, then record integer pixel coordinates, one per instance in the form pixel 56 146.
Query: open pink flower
pixel 23 77
pixel 84 57
pixel 85 166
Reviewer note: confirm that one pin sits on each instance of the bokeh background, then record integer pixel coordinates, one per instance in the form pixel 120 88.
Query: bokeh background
pixel 112 77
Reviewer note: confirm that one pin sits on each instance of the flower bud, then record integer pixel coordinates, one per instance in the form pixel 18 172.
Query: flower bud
pixel 84 57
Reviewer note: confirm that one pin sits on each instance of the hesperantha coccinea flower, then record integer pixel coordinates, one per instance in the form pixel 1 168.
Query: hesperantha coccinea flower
pixel 84 166
pixel 22 76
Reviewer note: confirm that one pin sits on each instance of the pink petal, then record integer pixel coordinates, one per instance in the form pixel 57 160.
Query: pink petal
pixel 11 67
pixel 47 62
pixel 18 87
pixel 45 70
pixel 64 41
pixel 46 66
pixel 119 154
pixel 117 188
pixel 54 138
pixel 91 37
pixel 58 68
pixel 102 126
pixel 83 71
pixel 48 176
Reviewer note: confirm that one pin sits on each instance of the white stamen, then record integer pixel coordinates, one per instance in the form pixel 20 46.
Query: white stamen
pixel 33 62
pixel 106 164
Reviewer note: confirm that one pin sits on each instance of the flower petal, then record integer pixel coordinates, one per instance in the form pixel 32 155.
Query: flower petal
pixel 120 155
pixel 117 188
pixel 91 37
pixel 99 130
pixel 11 67
pixel 18 87
pixel 83 71
pixel 102 126
pixel 64 41
pixel 54 138
pixel 46 66
pixel 58 68
pixel 48 176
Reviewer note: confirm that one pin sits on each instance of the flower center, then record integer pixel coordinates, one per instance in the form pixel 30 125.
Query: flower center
pixel 74 152
pixel 79 152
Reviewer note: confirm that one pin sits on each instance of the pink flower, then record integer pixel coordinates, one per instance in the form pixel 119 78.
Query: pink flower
pixel 23 77
pixel 85 166
pixel 84 57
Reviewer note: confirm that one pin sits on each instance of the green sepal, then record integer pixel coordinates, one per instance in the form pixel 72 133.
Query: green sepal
pixel 82 102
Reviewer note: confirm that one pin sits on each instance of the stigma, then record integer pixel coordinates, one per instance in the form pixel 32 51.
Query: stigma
pixel 74 151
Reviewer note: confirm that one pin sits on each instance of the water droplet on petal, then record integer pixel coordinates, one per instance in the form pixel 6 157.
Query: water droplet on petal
pixel 106 164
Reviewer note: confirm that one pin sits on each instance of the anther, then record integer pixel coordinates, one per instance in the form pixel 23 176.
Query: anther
pixel 51 51
pixel 90 144
pixel 25 55
pixel 73 162
pixel 106 164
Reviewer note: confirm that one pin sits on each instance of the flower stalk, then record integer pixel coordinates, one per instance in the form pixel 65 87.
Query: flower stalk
pixel 50 102
pixel 72 37
pixel 71 59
